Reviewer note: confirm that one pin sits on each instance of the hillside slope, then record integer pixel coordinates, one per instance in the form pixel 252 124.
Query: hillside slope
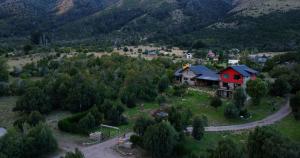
pixel 20 17
pixel 262 7
pixel 144 19
pixel 265 24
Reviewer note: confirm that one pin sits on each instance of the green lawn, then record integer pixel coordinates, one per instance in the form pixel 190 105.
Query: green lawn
pixel 7 116
pixel 131 114
pixel 289 127
pixel 199 104
pixel 210 142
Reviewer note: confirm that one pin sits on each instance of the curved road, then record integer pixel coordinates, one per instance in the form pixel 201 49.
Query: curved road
pixel 104 150
pixel 283 112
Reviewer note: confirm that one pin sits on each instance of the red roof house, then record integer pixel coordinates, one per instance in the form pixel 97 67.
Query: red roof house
pixel 233 77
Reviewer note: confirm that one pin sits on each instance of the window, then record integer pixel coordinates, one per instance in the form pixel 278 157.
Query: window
pixel 226 76
pixel 185 78
pixel 237 77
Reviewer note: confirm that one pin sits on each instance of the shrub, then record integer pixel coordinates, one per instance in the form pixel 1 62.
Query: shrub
pixel 161 100
pixel 87 123
pixel 180 90
pixel 141 125
pixel 136 140
pixel 70 124
pixel 216 102
pixel 280 87
pixel 245 113
pixel 76 154
pixel 231 111
pixel 35 118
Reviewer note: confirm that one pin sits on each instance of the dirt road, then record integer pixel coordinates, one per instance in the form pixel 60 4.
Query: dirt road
pixel 102 150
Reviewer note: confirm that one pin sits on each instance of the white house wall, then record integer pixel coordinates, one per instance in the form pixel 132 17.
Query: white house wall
pixel 187 75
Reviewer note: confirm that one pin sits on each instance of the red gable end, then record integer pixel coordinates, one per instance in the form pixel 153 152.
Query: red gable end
pixel 229 75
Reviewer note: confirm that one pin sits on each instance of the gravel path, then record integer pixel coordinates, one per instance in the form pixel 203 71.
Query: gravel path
pixel 279 115
pixel 2 131
pixel 102 150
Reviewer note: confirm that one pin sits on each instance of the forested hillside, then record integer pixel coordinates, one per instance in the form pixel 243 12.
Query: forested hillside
pixel 269 25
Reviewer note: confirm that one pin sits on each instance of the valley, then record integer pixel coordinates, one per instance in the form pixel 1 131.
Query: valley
pixel 149 78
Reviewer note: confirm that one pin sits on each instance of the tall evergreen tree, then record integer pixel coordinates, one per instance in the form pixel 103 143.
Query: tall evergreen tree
pixel 239 98
pixel 160 140
pixel 198 128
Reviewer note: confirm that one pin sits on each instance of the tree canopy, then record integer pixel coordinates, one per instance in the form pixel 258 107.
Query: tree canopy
pixel 160 140
pixel 227 148
pixel 295 105
pixel 4 74
pixel 257 89
pixel 266 142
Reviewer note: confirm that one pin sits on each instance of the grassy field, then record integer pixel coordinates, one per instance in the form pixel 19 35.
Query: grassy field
pixel 289 127
pixel 199 104
pixel 7 116
pixel 131 114
pixel 210 142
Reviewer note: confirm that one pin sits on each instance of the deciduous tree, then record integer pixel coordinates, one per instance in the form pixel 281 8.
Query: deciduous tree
pixel 257 89
pixel 34 99
pixel 280 87
pixel 239 98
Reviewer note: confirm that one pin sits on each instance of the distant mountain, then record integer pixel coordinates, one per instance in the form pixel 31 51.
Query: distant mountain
pixel 266 24
pixel 144 19
pixel 262 7
pixel 20 17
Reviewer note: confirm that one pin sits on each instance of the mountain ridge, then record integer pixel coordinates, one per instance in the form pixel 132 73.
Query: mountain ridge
pixel 135 21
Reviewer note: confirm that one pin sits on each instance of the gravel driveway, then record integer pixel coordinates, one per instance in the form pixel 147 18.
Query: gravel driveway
pixel 102 150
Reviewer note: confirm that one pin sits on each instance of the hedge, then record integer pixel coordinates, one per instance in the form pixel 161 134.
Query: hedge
pixel 70 124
